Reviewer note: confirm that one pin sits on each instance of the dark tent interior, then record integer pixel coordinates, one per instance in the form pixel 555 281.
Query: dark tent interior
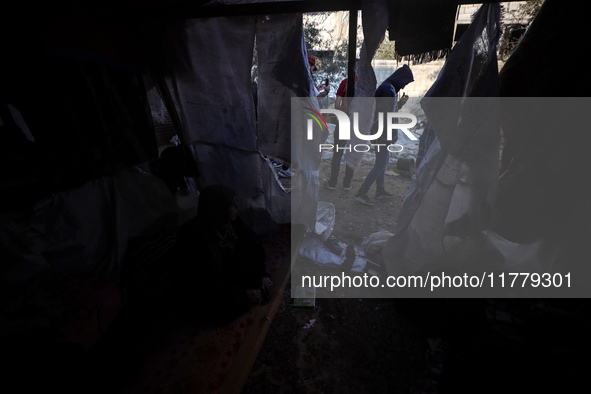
pixel 94 205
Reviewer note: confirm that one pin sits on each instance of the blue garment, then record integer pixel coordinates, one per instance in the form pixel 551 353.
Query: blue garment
pixel 389 88
pixel 335 165
pixel 398 80
pixel 377 173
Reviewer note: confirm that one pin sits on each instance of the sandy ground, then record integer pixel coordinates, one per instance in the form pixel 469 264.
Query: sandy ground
pixel 355 221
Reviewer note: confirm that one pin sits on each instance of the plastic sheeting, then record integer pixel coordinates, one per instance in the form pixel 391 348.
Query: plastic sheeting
pixel 375 22
pixel 460 216
pixel 543 190
pixel 84 230
pixel 212 65
pixel 305 155
pixel 314 249
pixel 306 160
pixel 211 76
pixel 283 74
pixel 325 219
pixel 444 214
pixel 219 116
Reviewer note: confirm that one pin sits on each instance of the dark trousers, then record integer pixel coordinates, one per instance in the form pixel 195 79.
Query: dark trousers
pixel 335 166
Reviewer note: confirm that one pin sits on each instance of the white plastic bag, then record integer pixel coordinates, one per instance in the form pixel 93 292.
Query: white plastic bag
pixel 325 219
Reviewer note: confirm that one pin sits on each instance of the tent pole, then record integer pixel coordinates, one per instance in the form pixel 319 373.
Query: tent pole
pixel 352 53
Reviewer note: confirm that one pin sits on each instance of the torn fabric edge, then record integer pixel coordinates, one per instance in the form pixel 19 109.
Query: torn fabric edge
pixel 212 59
pixel 375 22
pixel 456 163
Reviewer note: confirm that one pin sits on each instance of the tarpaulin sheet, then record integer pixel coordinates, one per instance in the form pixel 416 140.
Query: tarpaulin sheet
pixel 375 22
pixel 212 60
pixel 444 214
pixel 422 28
pixel 212 79
pixel 283 74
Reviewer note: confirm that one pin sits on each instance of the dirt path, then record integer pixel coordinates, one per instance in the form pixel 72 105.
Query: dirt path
pixel 355 221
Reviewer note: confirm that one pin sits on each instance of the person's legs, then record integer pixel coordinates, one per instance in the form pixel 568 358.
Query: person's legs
pixel 335 166
pixel 337 154
pixel 382 158
pixel 369 180
pixel 361 194
pixel 377 172
pixel 348 178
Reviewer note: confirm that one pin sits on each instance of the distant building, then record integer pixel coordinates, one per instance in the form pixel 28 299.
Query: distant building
pixel 511 15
